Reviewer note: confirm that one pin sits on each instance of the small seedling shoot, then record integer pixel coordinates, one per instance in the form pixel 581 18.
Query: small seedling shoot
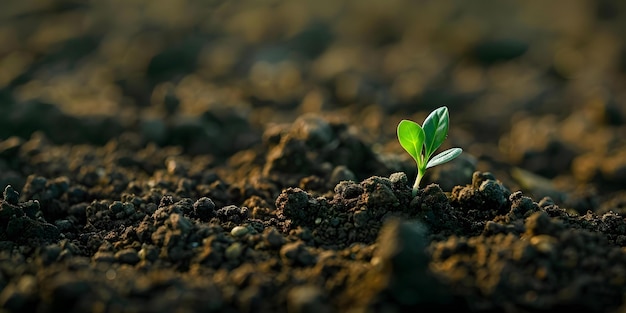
pixel 421 142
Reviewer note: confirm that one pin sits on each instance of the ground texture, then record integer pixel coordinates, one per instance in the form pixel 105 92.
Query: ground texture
pixel 240 156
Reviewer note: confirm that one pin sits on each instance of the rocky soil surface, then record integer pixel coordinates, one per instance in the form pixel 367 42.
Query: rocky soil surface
pixel 222 156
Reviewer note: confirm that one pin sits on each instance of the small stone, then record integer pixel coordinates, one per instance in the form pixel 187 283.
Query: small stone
pixel 239 231
pixel 234 251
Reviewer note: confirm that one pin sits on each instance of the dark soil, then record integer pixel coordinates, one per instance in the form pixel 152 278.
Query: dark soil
pixel 240 156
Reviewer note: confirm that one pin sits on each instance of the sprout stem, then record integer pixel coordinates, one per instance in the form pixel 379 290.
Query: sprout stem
pixel 416 186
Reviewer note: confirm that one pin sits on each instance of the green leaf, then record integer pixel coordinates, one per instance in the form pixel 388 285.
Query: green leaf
pixel 444 157
pixel 435 130
pixel 411 138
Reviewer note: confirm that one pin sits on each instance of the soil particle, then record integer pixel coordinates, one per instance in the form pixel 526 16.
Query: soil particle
pixel 20 222
pixel 10 195
pixel 314 130
pixel 541 224
pixel 289 157
pixel 297 254
pixel 127 256
pixel 306 299
pixel 491 194
pixel 273 238
pixel 204 209
pixel 310 144
pixel 433 209
pixel 348 190
pixel 402 264
pixel 340 173
pixel 521 206
pixel 20 295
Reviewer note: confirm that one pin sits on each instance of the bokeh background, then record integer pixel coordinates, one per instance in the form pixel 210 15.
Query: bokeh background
pixel 537 86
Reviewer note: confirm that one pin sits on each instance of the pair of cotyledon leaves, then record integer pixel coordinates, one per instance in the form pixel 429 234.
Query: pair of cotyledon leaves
pixel 421 142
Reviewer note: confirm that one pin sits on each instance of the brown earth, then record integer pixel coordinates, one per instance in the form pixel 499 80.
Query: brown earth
pixel 213 156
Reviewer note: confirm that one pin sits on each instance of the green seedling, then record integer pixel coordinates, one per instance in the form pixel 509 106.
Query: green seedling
pixel 421 142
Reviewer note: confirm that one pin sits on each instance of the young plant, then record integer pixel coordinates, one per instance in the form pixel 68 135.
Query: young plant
pixel 421 142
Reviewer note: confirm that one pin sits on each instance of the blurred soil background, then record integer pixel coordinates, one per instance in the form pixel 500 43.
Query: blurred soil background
pixel 536 89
